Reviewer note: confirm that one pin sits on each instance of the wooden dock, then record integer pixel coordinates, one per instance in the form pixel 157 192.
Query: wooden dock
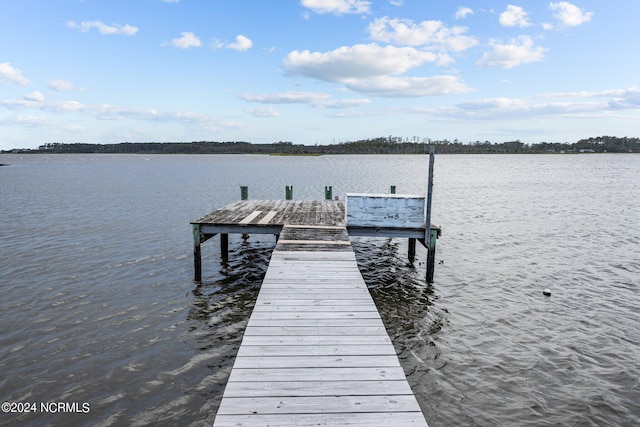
pixel 270 216
pixel 315 351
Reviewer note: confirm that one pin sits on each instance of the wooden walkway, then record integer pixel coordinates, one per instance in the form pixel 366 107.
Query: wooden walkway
pixel 315 351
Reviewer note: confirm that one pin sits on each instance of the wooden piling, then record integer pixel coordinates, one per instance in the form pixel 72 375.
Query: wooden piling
pixel 328 192
pixel 224 246
pixel 412 250
pixel 197 256
pixel 429 238
pixel 431 254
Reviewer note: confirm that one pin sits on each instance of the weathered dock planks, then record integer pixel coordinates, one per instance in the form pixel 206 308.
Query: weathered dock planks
pixel 315 351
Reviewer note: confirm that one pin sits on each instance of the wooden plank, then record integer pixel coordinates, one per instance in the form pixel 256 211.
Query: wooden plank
pixel 318 374
pixel 363 302
pixel 317 404
pixel 315 330
pixel 316 350
pixel 312 292
pixel 372 419
pixel 313 242
pixel 268 307
pixel 294 362
pixel 304 256
pixel 315 388
pixel 267 218
pixel 308 340
pixel 250 217
pixel 292 283
pixel 317 296
pixel 316 227
pixel 369 314
pixel 316 323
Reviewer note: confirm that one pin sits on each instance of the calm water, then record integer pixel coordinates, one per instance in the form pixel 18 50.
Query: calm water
pixel 97 303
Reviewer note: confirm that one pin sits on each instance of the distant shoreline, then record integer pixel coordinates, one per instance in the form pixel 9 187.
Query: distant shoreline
pixel 383 145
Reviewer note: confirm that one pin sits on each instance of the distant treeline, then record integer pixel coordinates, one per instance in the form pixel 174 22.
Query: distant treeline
pixel 382 145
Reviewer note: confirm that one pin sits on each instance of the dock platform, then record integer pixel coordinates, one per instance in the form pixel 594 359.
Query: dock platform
pixel 315 350
pixel 270 216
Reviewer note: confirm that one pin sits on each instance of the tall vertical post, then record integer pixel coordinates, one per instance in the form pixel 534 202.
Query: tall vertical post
pixel 412 250
pixel 197 257
pixel 224 246
pixel 244 195
pixel 431 255
pixel 428 236
pixel 288 190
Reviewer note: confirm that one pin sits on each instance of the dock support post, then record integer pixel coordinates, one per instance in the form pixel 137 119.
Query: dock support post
pixel 393 189
pixel 288 190
pixel 328 192
pixel 431 255
pixel 429 236
pixel 197 257
pixel 244 195
pixel 412 250
pixel 224 246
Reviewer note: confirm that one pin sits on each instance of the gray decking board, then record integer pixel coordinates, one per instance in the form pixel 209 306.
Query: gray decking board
pixel 374 419
pixel 315 350
pixel 317 212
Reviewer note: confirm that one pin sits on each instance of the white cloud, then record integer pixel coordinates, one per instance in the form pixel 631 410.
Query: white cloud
pixel 519 51
pixel 373 70
pixel 344 103
pixel 286 98
pixel 337 7
pixel 396 2
pixel 35 122
pixel 493 104
pixel 186 41
pixel 409 86
pixel 617 98
pixel 9 73
pixel 431 34
pixel 574 105
pixel 263 112
pixel 61 85
pixel 36 101
pixel 569 14
pixel 34 97
pixel 514 16
pixel 463 12
pixel 318 100
pixel 359 61
pixel 242 43
pixel 105 29
pixel 54 107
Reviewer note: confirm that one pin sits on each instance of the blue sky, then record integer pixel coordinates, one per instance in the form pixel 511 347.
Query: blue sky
pixel 317 71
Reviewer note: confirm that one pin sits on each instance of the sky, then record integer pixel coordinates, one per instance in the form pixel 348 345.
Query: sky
pixel 317 71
